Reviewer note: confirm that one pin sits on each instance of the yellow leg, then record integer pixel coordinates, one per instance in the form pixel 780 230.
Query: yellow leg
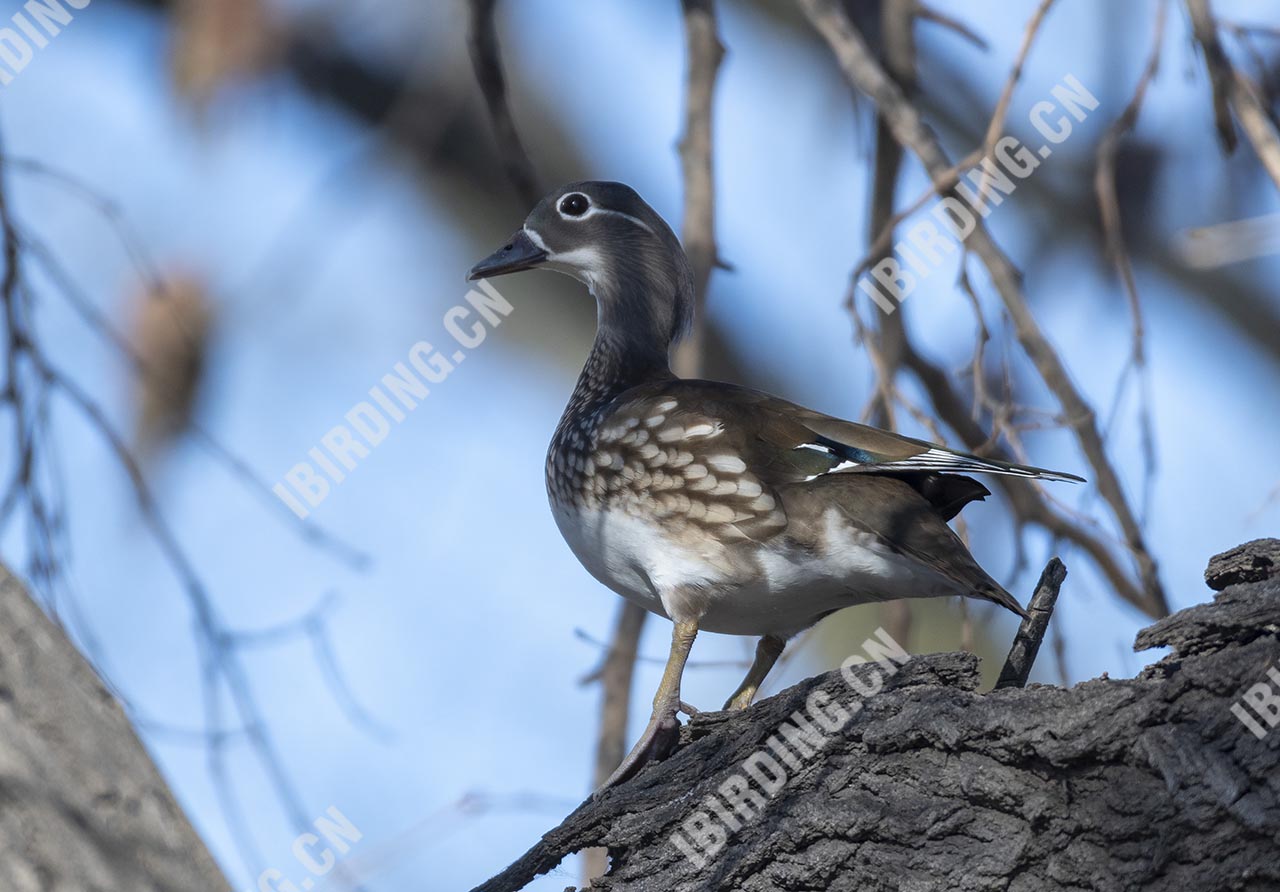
pixel 682 635
pixel 767 653
pixel 664 728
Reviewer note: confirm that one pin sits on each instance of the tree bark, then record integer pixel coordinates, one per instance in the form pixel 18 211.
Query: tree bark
pixel 1115 784
pixel 82 806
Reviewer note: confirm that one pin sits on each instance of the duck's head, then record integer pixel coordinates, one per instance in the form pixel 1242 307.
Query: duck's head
pixel 605 235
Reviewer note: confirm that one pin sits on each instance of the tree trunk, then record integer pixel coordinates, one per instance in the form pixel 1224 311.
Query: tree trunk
pixel 1116 784
pixel 82 807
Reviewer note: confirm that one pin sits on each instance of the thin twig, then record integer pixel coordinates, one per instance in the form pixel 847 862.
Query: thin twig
pixel 946 181
pixel 1026 644
pixel 31 380
pixel 1027 500
pixel 996 127
pixel 482 39
pixel 615 673
pixel 1104 184
pixel 206 616
pixel 1257 124
pixel 607 648
pixel 1219 67
pixel 99 323
pixel 929 14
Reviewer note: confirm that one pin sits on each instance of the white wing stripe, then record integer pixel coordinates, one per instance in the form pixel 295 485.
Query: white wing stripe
pixel 941 460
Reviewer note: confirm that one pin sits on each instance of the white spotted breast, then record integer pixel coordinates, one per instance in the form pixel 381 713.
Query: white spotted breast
pixel 654 458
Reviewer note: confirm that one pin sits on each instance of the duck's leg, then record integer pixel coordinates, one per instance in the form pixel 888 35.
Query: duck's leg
pixel 664 728
pixel 767 653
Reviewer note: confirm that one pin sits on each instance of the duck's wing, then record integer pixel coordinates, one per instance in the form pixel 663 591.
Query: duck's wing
pixel 716 455
pixel 800 444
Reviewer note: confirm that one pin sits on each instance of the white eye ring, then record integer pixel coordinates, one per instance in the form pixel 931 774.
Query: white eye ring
pixel 575 204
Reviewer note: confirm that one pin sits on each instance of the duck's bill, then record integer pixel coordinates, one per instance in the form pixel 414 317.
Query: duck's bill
pixel 517 254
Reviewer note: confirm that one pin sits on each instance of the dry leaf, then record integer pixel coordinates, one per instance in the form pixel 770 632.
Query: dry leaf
pixel 170 331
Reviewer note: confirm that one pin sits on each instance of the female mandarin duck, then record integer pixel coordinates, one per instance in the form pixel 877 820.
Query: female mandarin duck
pixel 716 506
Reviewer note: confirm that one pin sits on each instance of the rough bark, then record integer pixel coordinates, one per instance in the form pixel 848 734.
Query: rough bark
pixel 1252 562
pixel 82 807
pixel 1114 784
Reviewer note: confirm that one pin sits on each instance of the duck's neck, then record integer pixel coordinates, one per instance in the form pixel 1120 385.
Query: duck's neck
pixel 632 344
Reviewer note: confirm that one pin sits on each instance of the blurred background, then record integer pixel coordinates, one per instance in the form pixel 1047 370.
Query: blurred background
pixel 300 186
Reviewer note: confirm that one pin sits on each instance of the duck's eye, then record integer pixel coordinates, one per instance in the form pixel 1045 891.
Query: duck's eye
pixel 574 205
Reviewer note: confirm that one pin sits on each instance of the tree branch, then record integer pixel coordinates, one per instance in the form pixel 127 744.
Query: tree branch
pixel 85 807
pixel 1026 644
pixel 1232 90
pixel 1205 31
pixel 865 75
pixel 703 52
pixel 927 784
pixel 482 40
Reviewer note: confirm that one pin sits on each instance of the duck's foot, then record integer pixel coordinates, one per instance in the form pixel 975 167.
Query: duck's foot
pixel 659 738
pixel 655 744
pixel 768 650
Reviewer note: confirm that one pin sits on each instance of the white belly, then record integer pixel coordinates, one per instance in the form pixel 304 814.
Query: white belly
pixel 625 553
pixel 743 588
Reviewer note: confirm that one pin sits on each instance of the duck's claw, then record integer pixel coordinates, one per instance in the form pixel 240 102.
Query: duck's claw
pixel 655 744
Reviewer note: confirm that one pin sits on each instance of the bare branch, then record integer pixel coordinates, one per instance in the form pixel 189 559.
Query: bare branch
pixel 482 39
pixel 897 27
pixel 606 648
pixel 615 675
pixel 1029 504
pixel 100 324
pixel 704 52
pixel 996 127
pixel 31 380
pixel 1040 747
pixel 863 72
pixel 1221 74
pixel 929 14
pixel 1232 90
pixel 1257 124
pixel 944 183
